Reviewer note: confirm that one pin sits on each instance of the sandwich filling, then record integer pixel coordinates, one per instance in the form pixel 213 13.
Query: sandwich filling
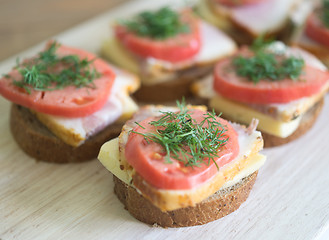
pixel 276 118
pixel 213 46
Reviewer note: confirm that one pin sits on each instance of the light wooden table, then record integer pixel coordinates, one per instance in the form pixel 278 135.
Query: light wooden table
pixel 290 199
pixel 24 23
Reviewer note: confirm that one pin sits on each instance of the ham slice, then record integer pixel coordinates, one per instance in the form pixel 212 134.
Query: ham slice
pixel 265 17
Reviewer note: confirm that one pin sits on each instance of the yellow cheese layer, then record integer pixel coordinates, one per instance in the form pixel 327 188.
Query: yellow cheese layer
pixel 243 114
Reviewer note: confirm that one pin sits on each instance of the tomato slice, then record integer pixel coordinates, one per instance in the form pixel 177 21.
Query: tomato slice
pixel 69 101
pixel 228 84
pixel 316 30
pixel 233 3
pixel 175 49
pixel 144 157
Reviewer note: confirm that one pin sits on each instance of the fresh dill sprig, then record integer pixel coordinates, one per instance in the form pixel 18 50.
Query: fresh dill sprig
pixel 48 71
pixel 186 140
pixel 325 13
pixel 267 65
pixel 260 43
pixel 161 24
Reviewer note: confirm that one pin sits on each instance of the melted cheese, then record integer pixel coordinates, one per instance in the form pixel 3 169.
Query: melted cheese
pixel 119 107
pixel 215 45
pixel 247 162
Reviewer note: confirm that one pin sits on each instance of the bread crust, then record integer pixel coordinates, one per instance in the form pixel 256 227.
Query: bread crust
pixel 306 123
pixel 38 142
pixel 216 206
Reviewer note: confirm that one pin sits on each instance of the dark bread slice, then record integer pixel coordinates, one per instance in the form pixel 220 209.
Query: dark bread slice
pixel 218 205
pixel 306 123
pixel 38 142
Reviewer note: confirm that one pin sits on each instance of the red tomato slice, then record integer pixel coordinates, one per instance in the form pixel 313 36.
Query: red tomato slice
pixel 234 87
pixel 66 102
pixel 175 49
pixel 316 30
pixel 233 3
pixel 144 158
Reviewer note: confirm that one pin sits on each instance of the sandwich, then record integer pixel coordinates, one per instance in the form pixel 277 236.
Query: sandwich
pixel 66 103
pixel 182 166
pixel 246 20
pixel 167 49
pixel 281 86
pixel 315 35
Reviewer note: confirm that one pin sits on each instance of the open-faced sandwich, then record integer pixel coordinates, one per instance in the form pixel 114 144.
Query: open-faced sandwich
pixel 281 86
pixel 168 50
pixel 67 103
pixel 315 37
pixel 245 20
pixel 182 166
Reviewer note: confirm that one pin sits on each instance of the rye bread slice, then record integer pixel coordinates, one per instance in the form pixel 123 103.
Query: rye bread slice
pixel 38 142
pixel 218 205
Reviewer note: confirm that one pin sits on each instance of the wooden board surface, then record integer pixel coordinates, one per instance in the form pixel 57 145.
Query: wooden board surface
pixel 290 199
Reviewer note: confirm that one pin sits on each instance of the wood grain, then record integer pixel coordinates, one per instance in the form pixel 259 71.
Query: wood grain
pixel 290 199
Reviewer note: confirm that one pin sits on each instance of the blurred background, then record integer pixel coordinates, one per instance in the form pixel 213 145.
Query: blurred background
pixel 24 23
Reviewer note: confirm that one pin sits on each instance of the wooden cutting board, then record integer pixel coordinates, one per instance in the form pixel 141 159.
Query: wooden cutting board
pixel 290 199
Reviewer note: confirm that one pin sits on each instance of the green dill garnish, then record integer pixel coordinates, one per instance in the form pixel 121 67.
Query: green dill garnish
pixel 48 71
pixel 185 140
pixel 160 24
pixel 325 13
pixel 267 65
pixel 260 43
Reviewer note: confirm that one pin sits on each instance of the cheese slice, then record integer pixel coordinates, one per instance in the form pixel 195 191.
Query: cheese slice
pixel 119 107
pixel 244 114
pixel 215 45
pixel 109 156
